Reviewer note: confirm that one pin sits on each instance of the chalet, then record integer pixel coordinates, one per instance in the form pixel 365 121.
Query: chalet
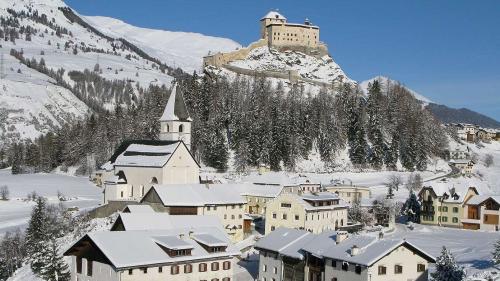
pixel 443 204
pixel 219 200
pixel 315 212
pixel 172 254
pixel 482 212
pixel 291 254
pixel 464 166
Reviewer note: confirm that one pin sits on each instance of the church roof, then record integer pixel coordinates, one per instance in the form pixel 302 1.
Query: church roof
pixel 176 109
pixel 273 15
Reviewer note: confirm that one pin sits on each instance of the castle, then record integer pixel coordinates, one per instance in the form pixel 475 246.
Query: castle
pixel 276 33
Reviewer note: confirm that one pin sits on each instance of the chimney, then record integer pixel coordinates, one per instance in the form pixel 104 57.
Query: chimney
pixel 181 236
pixel 354 250
pixel 191 234
pixel 341 236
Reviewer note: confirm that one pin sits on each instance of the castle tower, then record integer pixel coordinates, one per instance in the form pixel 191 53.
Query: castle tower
pixel 175 123
pixel 273 17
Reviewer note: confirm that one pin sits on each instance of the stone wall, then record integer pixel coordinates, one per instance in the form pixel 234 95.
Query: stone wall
pixel 110 208
pixel 220 59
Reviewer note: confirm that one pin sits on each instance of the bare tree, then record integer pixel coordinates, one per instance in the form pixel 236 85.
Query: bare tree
pixel 414 182
pixel 394 181
pixel 4 192
pixel 488 160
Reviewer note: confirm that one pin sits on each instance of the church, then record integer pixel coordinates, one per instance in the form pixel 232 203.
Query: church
pixel 136 165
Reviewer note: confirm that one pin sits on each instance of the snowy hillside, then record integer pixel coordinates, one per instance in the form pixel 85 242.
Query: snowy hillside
pixel 181 49
pixel 386 81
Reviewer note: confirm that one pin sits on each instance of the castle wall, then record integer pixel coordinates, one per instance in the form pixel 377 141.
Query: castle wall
pixel 293 35
pixel 221 59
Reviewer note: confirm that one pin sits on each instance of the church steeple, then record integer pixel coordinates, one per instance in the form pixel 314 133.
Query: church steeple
pixel 175 122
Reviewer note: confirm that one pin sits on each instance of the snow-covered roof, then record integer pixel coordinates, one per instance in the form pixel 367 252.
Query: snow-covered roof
pixel 146 155
pixel 259 190
pixel 209 240
pixel 478 200
pixel 126 249
pixel 138 209
pixel 320 196
pixel 164 221
pixel 176 109
pixel 293 243
pixel 197 194
pixel 108 166
pixel 286 241
pixel 305 200
pixel 461 161
pixel 278 178
pixel 273 15
pixel 453 193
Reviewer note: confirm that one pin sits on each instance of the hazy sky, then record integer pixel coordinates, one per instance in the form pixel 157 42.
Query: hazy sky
pixel 448 51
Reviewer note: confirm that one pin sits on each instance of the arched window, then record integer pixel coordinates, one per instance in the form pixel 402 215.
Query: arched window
pixel 181 128
pixel 167 128
pixel 154 180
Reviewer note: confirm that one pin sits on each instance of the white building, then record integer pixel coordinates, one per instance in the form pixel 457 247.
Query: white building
pixel 138 164
pixel 464 166
pixel 220 200
pixel 290 254
pixel 200 253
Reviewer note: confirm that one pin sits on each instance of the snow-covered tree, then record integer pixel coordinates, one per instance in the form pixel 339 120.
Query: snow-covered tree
pixel 37 235
pixel 360 215
pixel 496 253
pixel 411 208
pixel 54 267
pixel 4 192
pixel 447 268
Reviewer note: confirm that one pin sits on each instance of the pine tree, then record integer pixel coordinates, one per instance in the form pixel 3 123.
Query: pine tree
pixel 37 234
pixel 375 121
pixel 447 268
pixel 496 253
pixel 54 268
pixel 411 208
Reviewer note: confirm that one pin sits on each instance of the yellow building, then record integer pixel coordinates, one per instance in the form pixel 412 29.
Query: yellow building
pixel 315 212
pixel 350 193
pixel 443 204
pixel 278 32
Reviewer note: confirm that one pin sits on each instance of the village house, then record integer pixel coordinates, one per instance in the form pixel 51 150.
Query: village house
pixel 459 153
pixel 220 200
pixel 349 193
pixel 464 166
pixel 482 212
pixel 291 254
pixel 443 204
pixel 170 254
pixel 314 212
pixel 138 164
pixel 257 196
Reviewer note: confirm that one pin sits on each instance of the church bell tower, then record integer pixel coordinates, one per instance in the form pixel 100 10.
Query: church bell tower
pixel 175 123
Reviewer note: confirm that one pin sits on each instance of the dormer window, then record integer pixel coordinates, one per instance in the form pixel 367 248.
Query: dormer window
pixel 210 243
pixel 174 246
pixel 181 128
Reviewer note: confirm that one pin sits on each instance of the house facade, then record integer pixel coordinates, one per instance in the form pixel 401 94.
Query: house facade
pixel 315 212
pixel 219 200
pixel 290 255
pixel 464 166
pixel 350 194
pixel 482 212
pixel 174 254
pixel 444 205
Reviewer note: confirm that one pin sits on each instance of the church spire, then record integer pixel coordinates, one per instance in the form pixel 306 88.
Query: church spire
pixel 175 121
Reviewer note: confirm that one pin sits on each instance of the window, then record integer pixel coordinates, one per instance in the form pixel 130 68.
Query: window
pixel 297 217
pixel 174 270
pixel 226 265
pixel 345 266
pixel 215 279
pixel 225 216
pixel 264 268
pixel 208 208
pixel 214 266
pixel 420 267
pixel 202 267
pixel 382 270
pixel 233 206
pixel 226 279
pixel 181 128
pixel 274 215
pixel 445 209
pixel 121 194
pixel 188 268
pixel 273 228
pixel 398 269
pixel 78 265
pixel 232 217
pixel 275 270
pixel 167 128
pixel 455 220
pixel 89 268
pixel 334 279
pixel 444 219
pixel 145 270
pixel 334 263
pixel 455 209
pixel 130 271
pixel 286 205
pixel 358 269
pixel 160 269
pixel 284 216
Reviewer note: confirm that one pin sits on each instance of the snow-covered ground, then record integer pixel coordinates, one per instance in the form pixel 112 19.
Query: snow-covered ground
pixel 385 81
pixel 15 213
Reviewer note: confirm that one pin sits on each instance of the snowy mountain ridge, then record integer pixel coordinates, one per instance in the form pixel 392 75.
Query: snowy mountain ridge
pixel 385 81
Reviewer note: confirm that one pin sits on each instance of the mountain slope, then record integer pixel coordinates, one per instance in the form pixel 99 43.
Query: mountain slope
pixel 463 115
pixel 385 81
pixel 182 49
